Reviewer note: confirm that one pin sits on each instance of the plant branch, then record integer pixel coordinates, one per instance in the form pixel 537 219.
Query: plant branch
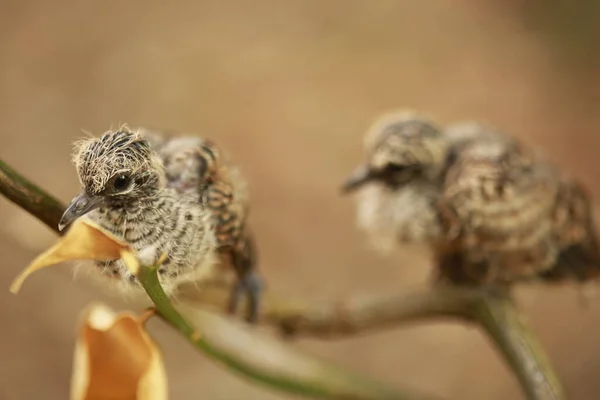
pixel 491 309
pixel 29 197
pixel 499 317
pixel 358 314
pixel 264 360
pixel 495 312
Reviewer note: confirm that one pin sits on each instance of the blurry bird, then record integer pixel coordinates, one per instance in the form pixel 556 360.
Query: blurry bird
pixel 491 209
pixel 167 195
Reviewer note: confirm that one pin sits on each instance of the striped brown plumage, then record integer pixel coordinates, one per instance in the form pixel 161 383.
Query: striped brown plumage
pixel 200 164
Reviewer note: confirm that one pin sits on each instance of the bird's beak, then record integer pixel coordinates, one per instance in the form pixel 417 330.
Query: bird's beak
pixel 80 205
pixel 359 177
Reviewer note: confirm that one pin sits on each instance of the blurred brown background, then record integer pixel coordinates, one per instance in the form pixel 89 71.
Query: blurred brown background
pixel 290 87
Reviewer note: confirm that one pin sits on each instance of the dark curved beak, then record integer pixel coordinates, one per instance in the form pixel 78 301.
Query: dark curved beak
pixel 359 177
pixel 82 204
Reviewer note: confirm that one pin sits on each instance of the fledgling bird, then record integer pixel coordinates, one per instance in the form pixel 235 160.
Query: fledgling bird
pixel 490 208
pixel 133 188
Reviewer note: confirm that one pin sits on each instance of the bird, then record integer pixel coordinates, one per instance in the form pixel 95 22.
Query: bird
pixel 173 198
pixel 491 209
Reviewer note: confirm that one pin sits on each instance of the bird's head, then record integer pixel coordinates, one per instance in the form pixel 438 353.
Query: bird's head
pixel 115 169
pixel 400 147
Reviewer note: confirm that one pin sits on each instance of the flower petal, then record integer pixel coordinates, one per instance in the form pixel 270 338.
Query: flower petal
pixel 85 240
pixel 115 358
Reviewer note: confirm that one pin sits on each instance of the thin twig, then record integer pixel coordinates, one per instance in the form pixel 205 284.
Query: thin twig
pixel 494 312
pixel 358 314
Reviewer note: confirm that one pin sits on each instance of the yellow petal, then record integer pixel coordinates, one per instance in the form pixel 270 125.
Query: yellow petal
pixel 83 241
pixel 115 358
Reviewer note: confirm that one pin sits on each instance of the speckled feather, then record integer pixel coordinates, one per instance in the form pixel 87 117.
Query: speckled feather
pixel 197 164
pixel 194 163
pixel 497 201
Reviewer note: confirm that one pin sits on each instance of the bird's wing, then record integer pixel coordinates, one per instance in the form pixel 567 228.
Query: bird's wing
pixel 193 163
pixel 496 207
pixel 575 232
pixel 228 212
pixel 225 193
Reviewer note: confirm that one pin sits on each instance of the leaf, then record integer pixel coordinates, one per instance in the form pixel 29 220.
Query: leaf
pixel 85 240
pixel 115 358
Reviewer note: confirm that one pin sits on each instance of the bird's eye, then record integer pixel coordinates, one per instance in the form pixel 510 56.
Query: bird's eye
pixel 121 182
pixel 401 172
pixel 395 168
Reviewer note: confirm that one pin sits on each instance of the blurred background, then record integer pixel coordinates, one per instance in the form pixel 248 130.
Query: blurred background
pixel 289 88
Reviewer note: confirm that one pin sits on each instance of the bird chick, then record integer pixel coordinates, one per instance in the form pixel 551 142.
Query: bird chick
pixel 193 163
pixel 125 191
pixel 488 207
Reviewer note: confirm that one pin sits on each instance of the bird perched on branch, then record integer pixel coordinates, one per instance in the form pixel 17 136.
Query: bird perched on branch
pixel 171 195
pixel 491 209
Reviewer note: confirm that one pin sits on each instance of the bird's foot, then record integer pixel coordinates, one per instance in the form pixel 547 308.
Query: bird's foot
pixel 252 286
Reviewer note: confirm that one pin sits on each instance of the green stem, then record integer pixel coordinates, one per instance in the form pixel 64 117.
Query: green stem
pixel 263 360
pixel 29 197
pixel 522 351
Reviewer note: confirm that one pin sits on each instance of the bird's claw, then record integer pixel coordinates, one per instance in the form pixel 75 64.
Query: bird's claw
pixel 252 286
